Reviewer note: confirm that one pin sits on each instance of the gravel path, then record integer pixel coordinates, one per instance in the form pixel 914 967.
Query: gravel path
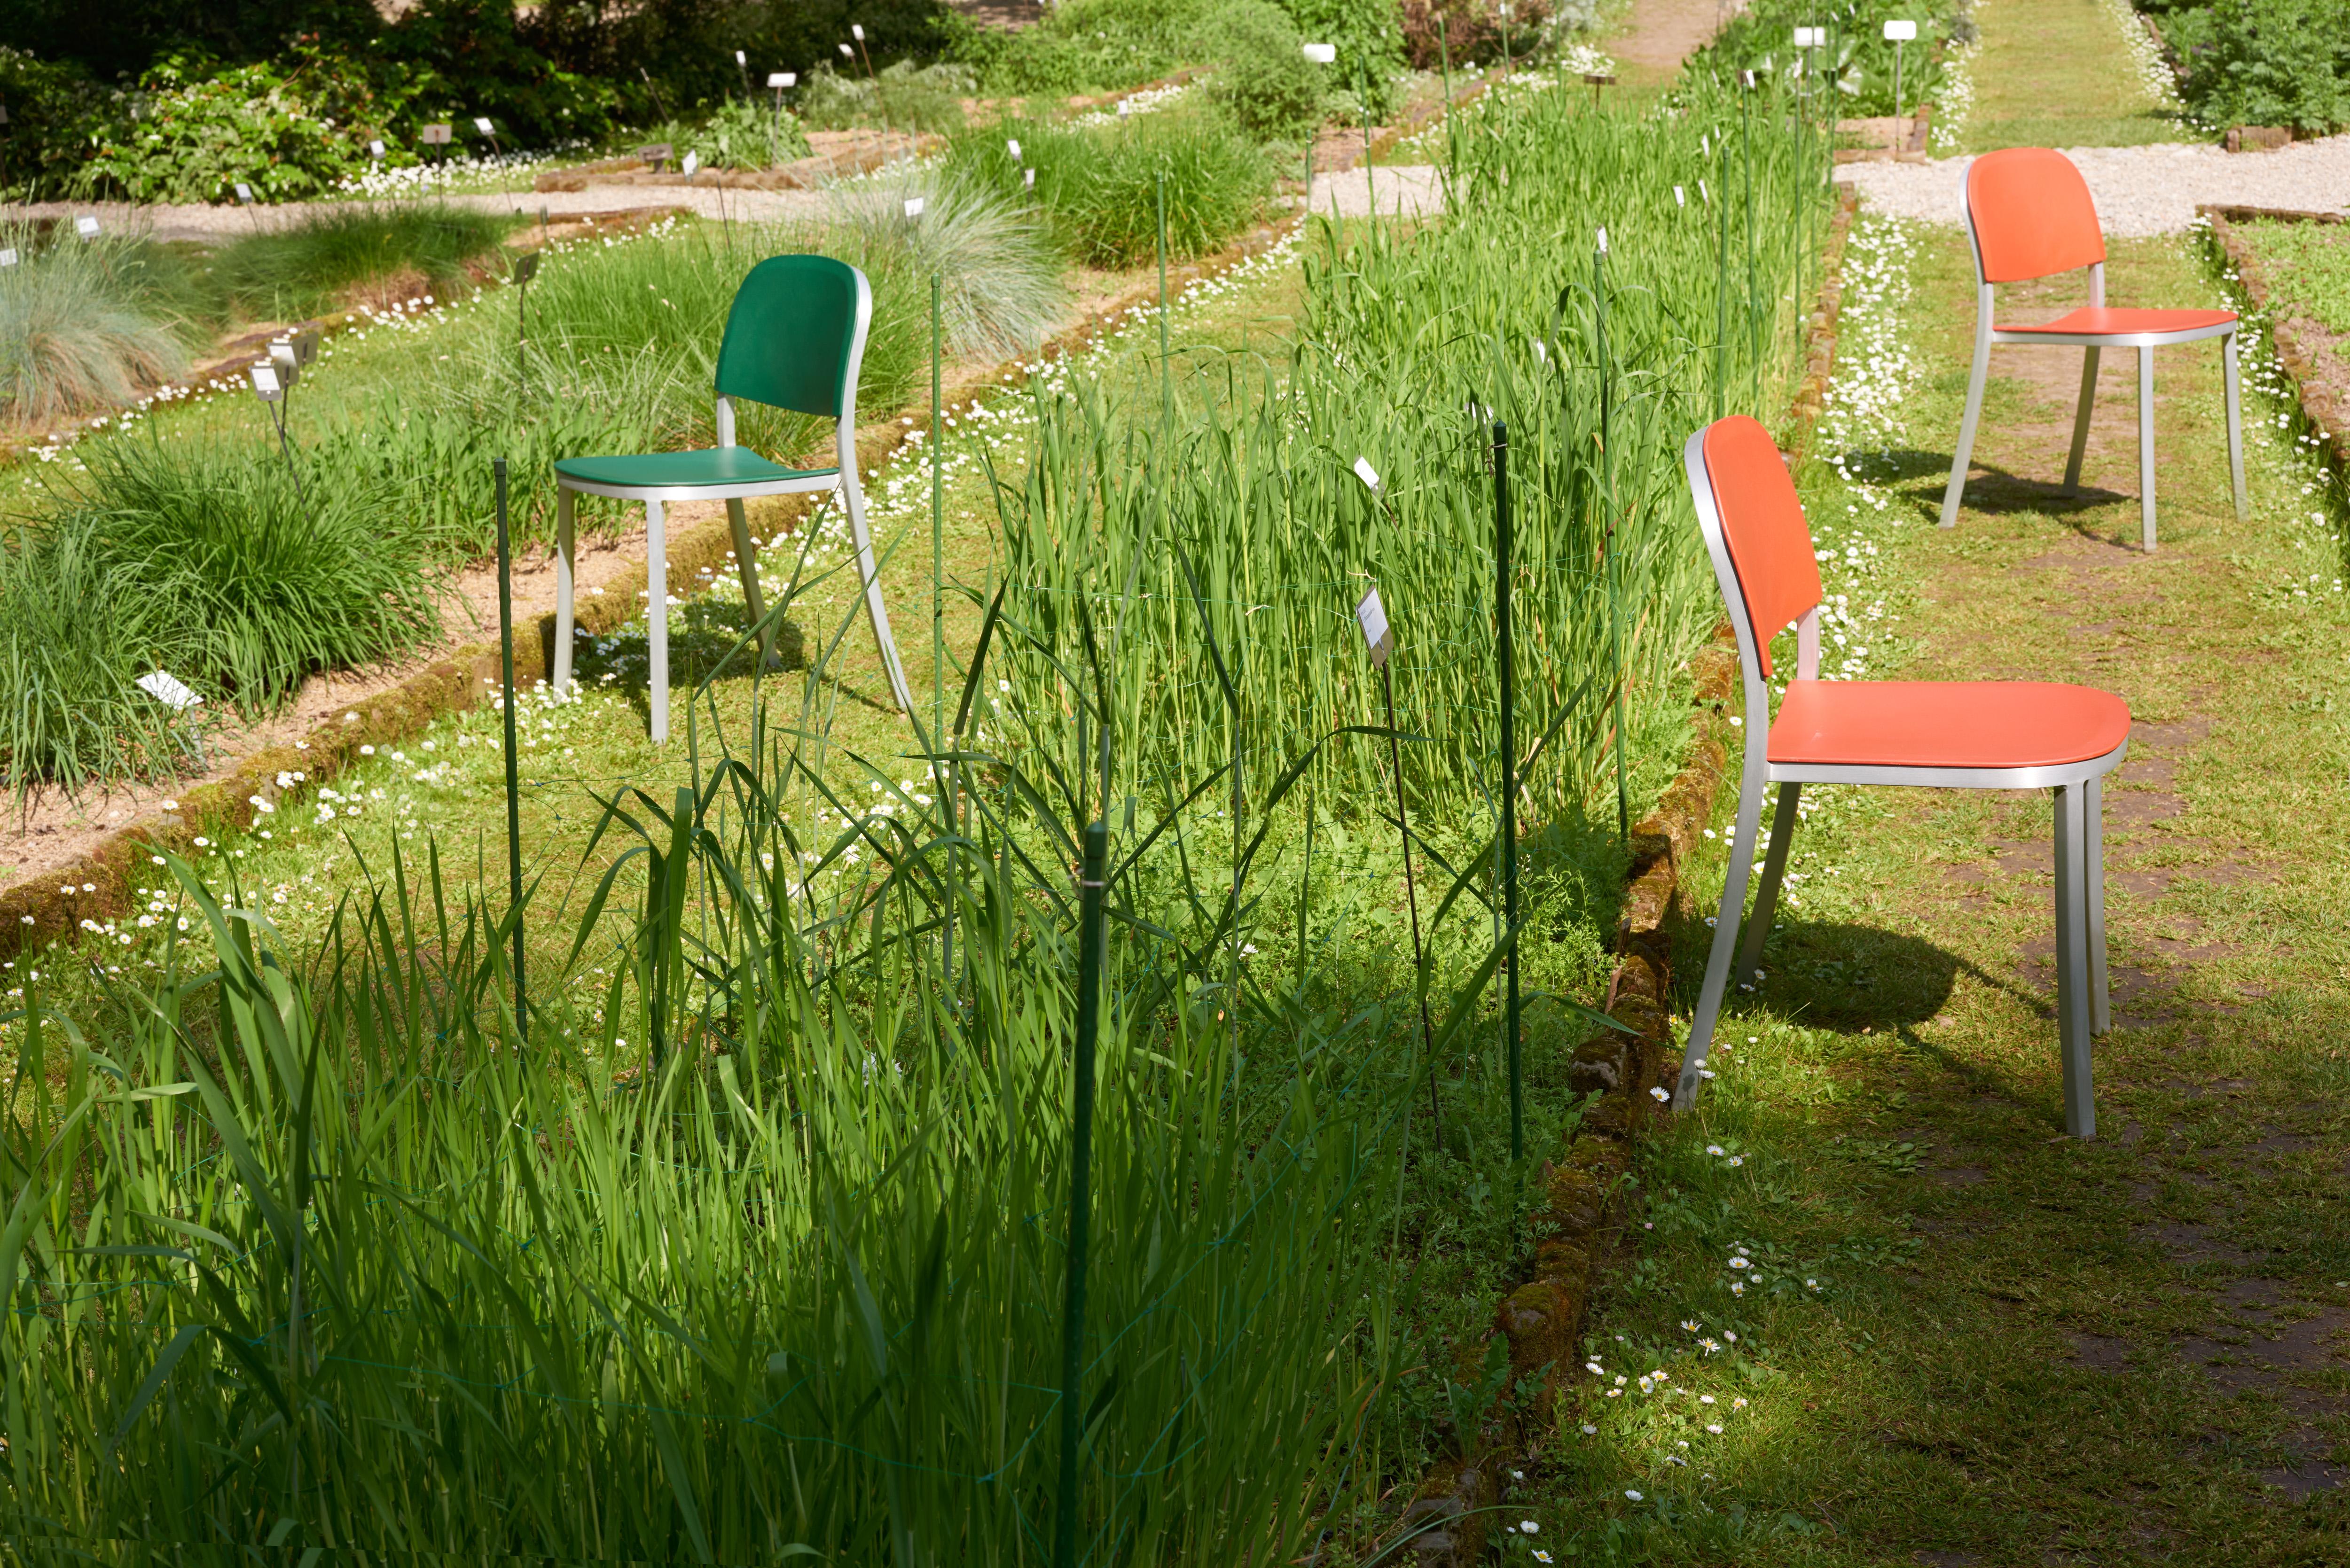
pixel 210 225
pixel 2139 190
pixel 1410 189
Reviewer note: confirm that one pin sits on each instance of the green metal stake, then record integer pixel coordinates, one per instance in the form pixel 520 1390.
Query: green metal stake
pixel 1081 1146
pixel 1503 550
pixel 1452 144
pixel 1166 382
pixel 513 780
pixel 1753 321
pixel 937 604
pixel 1607 534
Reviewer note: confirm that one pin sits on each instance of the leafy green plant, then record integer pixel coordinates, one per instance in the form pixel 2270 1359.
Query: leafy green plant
pixel 1090 46
pixel 1858 60
pixel 2265 62
pixel 310 267
pixel 1263 77
pixel 743 133
pixel 193 138
pixel 903 97
pixel 85 326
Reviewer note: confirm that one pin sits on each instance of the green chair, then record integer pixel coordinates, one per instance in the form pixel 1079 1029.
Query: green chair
pixel 794 339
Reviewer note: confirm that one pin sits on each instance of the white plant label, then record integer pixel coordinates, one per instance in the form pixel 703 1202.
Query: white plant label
pixel 741 58
pixel 482 124
pixel 692 162
pixel 1367 474
pixel 1602 242
pixel 265 384
pixel 1322 54
pixel 1900 32
pixel 914 205
pixel 1012 145
pixel 1680 197
pixel 780 79
pixel 1372 617
pixel 244 193
pixel 848 52
pixel 1028 178
pixel 1703 194
pixel 8 257
pixel 857 31
pixel 1124 108
pixel 86 227
pixel 375 150
pixel 170 690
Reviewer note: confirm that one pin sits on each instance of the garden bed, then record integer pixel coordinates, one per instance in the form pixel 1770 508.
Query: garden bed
pixel 2295 267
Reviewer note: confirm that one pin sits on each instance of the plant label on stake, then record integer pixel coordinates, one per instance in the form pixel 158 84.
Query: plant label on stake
pixel 1322 54
pixel 689 163
pixel 1012 145
pixel 1680 197
pixel 174 694
pixel 1372 617
pixel 914 205
pixel 87 228
pixel 266 385
pixel 1028 179
pixel 243 194
pixel 9 256
pixel 375 150
pixel 1897 33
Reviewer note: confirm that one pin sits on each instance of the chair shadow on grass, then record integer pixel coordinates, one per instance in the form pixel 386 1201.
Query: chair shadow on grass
pixel 1851 979
pixel 705 640
pixel 1919 476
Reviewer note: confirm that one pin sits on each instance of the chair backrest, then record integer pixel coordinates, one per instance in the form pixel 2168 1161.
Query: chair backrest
pixel 2031 214
pixel 795 334
pixel 1754 527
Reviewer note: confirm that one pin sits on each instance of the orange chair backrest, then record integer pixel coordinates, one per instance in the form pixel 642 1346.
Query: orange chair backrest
pixel 2033 215
pixel 1762 522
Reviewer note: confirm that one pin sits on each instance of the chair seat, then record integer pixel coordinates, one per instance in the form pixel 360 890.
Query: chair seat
pixel 713 466
pixel 2099 320
pixel 1945 724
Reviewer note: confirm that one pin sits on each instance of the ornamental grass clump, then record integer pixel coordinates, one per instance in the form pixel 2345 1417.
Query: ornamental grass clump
pixel 253 580
pixel 313 266
pixel 84 325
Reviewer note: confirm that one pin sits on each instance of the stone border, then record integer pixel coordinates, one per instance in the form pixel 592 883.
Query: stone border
pixel 36 911
pixel 1574 1230
pixel 2328 411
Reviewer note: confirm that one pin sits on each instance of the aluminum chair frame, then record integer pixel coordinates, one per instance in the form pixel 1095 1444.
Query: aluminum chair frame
pixel 2092 343
pixel 842 478
pixel 2082 1005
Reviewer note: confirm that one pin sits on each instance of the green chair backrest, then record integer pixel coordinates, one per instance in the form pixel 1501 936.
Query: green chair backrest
pixel 794 334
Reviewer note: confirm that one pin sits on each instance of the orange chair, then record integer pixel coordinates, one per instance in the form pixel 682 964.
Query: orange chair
pixel 1954 734
pixel 2028 215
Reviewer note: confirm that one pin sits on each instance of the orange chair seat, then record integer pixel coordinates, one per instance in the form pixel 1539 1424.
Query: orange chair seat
pixel 2099 318
pixel 1945 723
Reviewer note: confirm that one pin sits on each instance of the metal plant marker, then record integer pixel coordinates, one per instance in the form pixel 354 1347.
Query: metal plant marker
pixel 1081 1153
pixel 1504 657
pixel 514 782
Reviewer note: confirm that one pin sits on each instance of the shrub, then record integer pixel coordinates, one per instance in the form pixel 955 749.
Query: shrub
pixel 193 138
pixel 743 133
pixel 1369 38
pixel 2266 62
pixel 1473 30
pixel 1263 77
pixel 1092 46
pixel 52 112
pixel 904 97
pixel 83 327
pixel 253 580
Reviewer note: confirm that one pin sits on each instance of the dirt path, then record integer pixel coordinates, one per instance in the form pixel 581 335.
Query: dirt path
pixel 1660 34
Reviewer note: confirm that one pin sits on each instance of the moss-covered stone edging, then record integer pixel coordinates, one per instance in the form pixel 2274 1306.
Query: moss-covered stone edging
pixel 41 909
pixel 1576 1229
pixel 2328 410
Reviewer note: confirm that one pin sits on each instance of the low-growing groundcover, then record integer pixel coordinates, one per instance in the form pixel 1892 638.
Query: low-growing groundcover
pixel 1959 1335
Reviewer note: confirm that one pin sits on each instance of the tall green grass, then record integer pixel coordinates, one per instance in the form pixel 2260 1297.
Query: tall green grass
pixel 758 1256
pixel 311 268
pixel 1211 562
pixel 1098 188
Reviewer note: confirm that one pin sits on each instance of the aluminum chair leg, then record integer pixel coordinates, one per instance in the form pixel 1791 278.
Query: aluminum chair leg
pixel 657 616
pixel 565 611
pixel 1766 893
pixel 1975 380
pixel 2081 419
pixel 2072 985
pixel 1725 943
pixel 2146 448
pixel 876 611
pixel 2235 429
pixel 746 564
pixel 2092 812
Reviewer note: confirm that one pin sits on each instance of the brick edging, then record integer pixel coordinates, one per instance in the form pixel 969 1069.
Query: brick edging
pixel 1575 1230
pixel 2325 410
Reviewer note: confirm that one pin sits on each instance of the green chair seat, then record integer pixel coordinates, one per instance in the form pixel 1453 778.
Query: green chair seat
pixel 717 465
